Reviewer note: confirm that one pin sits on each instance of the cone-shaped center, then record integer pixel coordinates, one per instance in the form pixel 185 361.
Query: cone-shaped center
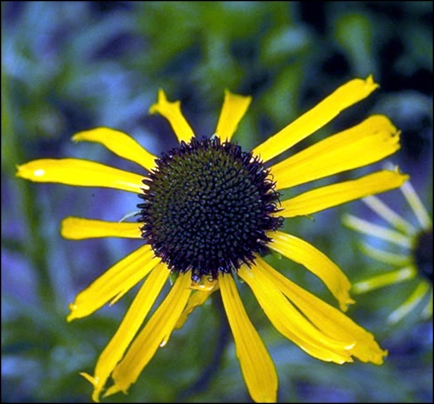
pixel 208 208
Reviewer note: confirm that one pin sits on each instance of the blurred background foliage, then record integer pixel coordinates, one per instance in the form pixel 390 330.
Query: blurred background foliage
pixel 70 66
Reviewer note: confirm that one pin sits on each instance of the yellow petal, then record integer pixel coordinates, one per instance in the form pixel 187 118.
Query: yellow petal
pixel 290 322
pixel 345 96
pixel 372 140
pixel 172 112
pixel 410 303
pixel 234 108
pixel 389 278
pixel 114 283
pixel 374 230
pixel 326 318
pixel 337 194
pixel 256 364
pixel 159 327
pixel 132 321
pixel 82 173
pixel 119 143
pixel 76 228
pixel 315 261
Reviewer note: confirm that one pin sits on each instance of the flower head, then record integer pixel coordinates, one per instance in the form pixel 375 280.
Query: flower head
pixel 208 212
pixel 412 256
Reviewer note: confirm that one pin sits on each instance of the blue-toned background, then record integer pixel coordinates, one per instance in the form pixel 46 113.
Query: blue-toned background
pixel 70 66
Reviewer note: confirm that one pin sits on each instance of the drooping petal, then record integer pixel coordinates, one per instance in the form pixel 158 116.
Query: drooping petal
pixel 374 230
pixel 234 108
pixel 256 364
pixel 81 173
pixel 410 303
pixel 119 143
pixel 114 283
pixel 77 228
pixel 370 141
pixel 159 327
pixel 390 216
pixel 172 112
pixel 315 261
pixel 326 318
pixel 389 278
pixel 132 321
pixel 337 194
pixel 345 96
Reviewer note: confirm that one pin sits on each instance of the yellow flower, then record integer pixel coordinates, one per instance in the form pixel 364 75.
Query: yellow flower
pixel 209 212
pixel 414 258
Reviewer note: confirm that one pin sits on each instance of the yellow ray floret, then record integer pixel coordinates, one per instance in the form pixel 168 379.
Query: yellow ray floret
pixel 77 228
pixel 337 194
pixel 114 283
pixel 326 318
pixel 315 261
pixel 172 112
pixel 345 96
pixel 256 365
pixel 119 143
pixel 159 327
pixel 131 323
pixel 234 108
pixel 82 173
pixel 291 323
pixel 372 140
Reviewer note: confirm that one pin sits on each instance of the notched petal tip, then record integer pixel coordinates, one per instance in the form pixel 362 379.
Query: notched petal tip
pixel 172 112
pixel 345 302
pixel 95 383
pixel 113 390
pixel 370 81
pixel 72 316
pixel 161 101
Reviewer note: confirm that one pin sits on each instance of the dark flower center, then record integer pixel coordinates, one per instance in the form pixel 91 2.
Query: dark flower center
pixel 423 254
pixel 208 208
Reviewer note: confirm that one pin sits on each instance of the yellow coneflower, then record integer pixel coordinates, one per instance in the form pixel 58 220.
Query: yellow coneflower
pixel 414 258
pixel 208 212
